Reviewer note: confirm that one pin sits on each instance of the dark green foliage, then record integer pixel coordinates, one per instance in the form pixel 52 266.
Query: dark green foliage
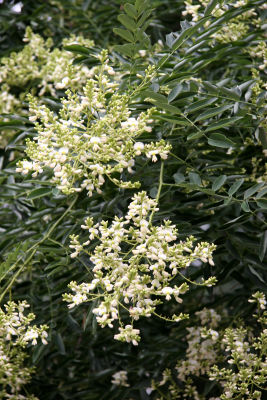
pixel 213 188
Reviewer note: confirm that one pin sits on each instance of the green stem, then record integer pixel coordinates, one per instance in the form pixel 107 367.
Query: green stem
pixel 164 318
pixel 159 191
pixel 189 280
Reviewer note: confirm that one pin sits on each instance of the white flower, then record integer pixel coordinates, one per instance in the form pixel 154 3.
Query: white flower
pixel 131 124
pixel 128 334
pixel 110 71
pixel 167 291
pixel 138 147
pixel 142 53
pixel 44 335
pixel 31 334
pixel 153 155
pixel 214 334
pixel 63 150
pixel 77 299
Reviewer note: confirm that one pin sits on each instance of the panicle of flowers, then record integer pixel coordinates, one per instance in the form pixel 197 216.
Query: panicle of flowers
pixel 201 351
pixel 245 354
pixel 231 31
pixel 134 263
pixel 92 137
pixel 247 358
pixel 50 69
pixel 37 60
pixel 234 358
pixel 120 378
pixel 16 332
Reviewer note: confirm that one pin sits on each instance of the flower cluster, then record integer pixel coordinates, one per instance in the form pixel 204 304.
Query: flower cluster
pixel 260 299
pixel 245 354
pixel 134 264
pixel 120 378
pixel 201 351
pixel 51 69
pixel 259 52
pixel 37 61
pixel 231 31
pixel 15 333
pixel 234 358
pixel 92 137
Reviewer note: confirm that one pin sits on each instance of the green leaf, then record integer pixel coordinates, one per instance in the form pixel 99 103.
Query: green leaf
pixel 222 124
pixel 130 10
pixel 172 110
pixel 212 112
pixel 178 177
pixel 162 61
pixel 124 34
pixel 38 353
pixel 246 84
pixel 219 140
pixel 11 125
pixel 153 192
pixel 187 33
pixel 245 206
pixel 254 272
pixel 143 38
pixel 60 344
pixel 261 193
pixel 37 193
pixel 218 182
pixel 172 119
pixel 233 221
pixel 127 49
pixel 170 39
pixel 200 104
pixel 141 5
pixel 76 48
pixel 143 20
pixel 195 135
pixel 211 88
pixel 229 93
pixel 234 188
pixel 255 188
pixel 155 96
pixel 195 178
pixel 128 22
pixel 161 101
pixel 262 204
pixel 174 93
pixel 263 245
pixel 192 49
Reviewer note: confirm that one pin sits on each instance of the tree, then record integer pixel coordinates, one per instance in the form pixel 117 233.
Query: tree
pixel 111 142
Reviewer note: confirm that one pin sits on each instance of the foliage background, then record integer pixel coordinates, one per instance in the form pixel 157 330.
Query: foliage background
pixel 36 266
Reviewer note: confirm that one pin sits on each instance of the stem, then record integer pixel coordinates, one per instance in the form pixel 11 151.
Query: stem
pixel 164 318
pixel 159 191
pixel 189 280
